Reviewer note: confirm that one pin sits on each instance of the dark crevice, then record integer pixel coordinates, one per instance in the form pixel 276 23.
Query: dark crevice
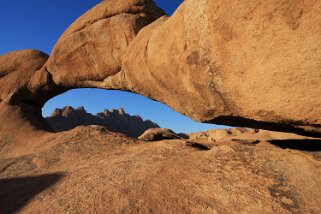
pixel 5 74
pixel 6 167
pixel 30 102
pixel 285 126
pixel 309 145
pixel 197 146
pixel 33 114
pixel 39 97
pixel 160 136
pixel 246 142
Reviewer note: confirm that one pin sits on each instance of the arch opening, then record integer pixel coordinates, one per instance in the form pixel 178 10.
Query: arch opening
pixel 118 111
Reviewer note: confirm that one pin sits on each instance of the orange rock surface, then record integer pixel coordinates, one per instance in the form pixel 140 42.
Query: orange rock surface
pixel 241 63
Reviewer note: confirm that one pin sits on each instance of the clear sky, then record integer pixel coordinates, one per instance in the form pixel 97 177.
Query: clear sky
pixel 38 24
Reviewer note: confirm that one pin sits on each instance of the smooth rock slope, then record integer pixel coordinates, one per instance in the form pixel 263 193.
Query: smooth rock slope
pixel 241 63
pixel 92 170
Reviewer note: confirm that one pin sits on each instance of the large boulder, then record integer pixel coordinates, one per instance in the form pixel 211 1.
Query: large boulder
pixel 16 70
pixel 156 134
pixel 241 63
pixel 92 48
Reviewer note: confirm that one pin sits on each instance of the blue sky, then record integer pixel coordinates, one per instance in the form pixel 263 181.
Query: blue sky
pixel 38 24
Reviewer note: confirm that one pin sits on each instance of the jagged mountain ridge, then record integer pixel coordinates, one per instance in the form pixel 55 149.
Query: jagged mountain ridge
pixel 116 120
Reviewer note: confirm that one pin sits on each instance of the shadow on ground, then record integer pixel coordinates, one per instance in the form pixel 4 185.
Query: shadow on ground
pixel 15 193
pixel 197 146
pixel 309 145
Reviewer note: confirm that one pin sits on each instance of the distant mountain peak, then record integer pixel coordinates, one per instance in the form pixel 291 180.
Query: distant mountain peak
pixel 121 111
pixel 82 109
pixel 67 111
pixel 115 120
pixel 56 112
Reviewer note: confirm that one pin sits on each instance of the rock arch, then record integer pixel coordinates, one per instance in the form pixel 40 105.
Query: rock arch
pixel 244 65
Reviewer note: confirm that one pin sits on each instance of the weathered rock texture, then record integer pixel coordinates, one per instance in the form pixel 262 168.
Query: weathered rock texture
pixel 92 48
pixel 245 63
pixel 214 135
pixel 91 170
pixel 24 89
pixel 114 120
pixel 240 63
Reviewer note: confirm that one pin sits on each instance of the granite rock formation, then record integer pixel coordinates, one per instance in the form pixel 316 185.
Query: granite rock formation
pixel 240 63
pixel 24 89
pixel 114 120
pixel 247 64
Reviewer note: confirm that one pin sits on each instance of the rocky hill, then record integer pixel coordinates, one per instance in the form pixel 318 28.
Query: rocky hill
pixel 114 120
pixel 91 170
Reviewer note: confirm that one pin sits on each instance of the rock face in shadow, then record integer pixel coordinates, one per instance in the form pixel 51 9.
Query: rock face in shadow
pixel 114 120
pixel 233 63
pixel 24 89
